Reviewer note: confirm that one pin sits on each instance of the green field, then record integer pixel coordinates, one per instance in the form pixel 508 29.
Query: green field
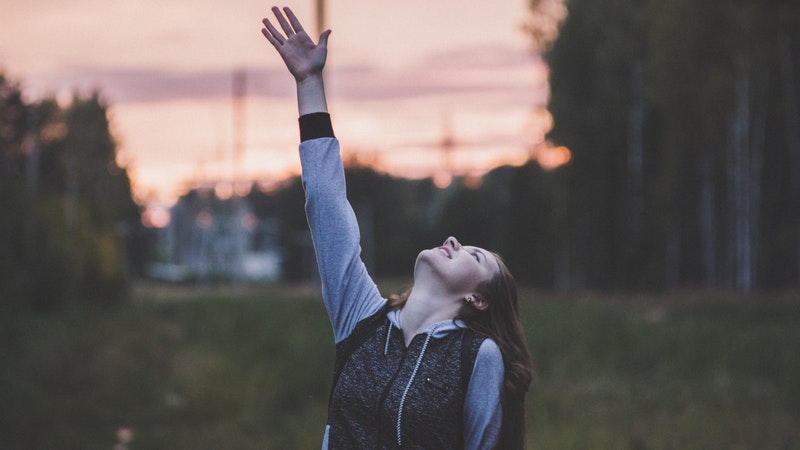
pixel 183 368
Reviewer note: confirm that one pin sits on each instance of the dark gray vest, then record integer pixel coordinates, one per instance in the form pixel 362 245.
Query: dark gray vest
pixel 385 395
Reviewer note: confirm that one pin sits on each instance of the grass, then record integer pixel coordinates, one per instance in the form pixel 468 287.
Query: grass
pixel 663 373
pixel 184 368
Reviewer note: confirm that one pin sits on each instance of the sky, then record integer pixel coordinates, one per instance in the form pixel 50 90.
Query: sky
pixel 401 75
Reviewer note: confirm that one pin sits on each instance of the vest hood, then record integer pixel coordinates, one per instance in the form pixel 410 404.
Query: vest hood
pixel 441 329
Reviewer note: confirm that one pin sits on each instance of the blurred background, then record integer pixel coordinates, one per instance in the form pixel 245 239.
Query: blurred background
pixel 636 163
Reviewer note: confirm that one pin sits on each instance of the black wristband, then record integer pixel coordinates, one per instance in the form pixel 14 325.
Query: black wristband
pixel 315 125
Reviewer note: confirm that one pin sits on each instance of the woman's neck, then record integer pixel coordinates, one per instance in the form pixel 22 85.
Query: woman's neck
pixel 423 309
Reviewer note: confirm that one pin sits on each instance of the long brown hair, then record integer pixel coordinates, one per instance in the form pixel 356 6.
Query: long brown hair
pixel 500 322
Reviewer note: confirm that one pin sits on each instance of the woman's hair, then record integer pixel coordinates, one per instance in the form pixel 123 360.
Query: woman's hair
pixel 500 321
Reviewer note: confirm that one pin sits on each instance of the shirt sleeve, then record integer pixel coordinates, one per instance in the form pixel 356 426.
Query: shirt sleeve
pixel 483 413
pixel 348 291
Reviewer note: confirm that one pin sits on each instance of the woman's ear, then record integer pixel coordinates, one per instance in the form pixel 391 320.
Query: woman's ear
pixel 478 302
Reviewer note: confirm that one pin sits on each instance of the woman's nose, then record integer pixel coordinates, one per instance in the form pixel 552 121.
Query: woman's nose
pixel 452 242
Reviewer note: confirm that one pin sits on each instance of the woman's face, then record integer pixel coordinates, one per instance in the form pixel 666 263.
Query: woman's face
pixel 461 268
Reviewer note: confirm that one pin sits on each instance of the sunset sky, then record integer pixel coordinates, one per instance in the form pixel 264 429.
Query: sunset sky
pixel 401 74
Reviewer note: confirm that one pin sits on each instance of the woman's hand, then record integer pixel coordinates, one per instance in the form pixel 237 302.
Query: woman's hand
pixel 303 58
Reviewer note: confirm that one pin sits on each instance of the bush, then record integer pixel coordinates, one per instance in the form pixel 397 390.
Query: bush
pixel 46 262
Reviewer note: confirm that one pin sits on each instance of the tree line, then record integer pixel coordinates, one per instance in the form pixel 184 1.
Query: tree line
pixel 70 229
pixel 682 117
pixel 509 212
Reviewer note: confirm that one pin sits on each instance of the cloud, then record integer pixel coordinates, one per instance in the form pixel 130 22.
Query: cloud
pixel 509 75
pixel 502 71
pixel 155 85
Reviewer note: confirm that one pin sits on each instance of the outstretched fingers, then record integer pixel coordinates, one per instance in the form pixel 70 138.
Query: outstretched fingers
pixel 272 34
pixel 297 27
pixel 287 28
pixel 290 27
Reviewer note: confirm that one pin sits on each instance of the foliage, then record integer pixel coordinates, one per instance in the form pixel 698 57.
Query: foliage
pixel 682 120
pixel 70 228
pixel 250 368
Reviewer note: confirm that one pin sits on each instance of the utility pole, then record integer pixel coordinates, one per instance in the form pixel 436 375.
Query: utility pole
pixel 32 180
pixel 320 6
pixel 32 149
pixel 236 235
pixel 239 92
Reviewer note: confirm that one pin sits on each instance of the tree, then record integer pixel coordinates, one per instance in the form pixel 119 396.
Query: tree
pixel 671 109
pixel 598 101
pixel 68 205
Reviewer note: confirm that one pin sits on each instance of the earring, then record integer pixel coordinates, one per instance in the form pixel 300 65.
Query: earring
pixel 469 299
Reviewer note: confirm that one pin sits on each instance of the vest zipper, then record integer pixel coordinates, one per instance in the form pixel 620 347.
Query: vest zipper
pixel 408 385
pixel 388 335
pixel 388 386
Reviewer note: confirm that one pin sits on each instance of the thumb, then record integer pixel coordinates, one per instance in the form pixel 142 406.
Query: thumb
pixel 323 38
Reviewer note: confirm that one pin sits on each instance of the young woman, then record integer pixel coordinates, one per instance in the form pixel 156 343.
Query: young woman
pixel 444 365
